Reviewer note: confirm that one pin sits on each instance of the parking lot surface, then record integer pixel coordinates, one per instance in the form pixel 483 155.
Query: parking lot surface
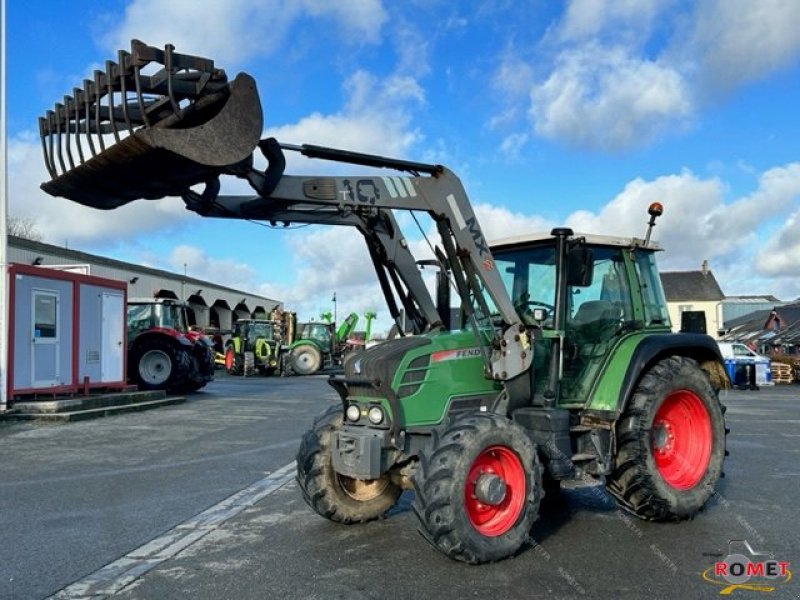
pixel 276 547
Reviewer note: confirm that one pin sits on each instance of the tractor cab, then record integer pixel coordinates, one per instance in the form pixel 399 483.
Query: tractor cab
pixel 587 298
pixel 319 333
pixel 149 313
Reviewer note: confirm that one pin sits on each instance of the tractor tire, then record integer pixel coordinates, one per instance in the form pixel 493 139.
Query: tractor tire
pixel 161 365
pixel 234 363
pixel 671 441
pixel 306 359
pixel 333 496
pixel 196 379
pixel 476 524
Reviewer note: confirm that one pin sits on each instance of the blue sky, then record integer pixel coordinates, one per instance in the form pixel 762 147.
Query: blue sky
pixel 578 113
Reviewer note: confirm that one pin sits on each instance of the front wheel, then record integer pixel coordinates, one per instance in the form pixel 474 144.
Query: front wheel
pixel 671 441
pixel 337 497
pixel 478 489
pixel 233 361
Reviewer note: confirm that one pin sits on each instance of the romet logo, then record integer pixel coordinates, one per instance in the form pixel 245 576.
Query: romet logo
pixel 759 572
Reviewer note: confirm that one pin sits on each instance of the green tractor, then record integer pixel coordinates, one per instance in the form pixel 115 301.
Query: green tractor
pixel 253 347
pixel 319 344
pixel 565 367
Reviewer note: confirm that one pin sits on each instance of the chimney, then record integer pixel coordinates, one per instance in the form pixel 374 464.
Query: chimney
pixel 705 268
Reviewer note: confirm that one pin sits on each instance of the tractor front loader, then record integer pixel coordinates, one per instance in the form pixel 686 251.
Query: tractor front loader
pixel 565 367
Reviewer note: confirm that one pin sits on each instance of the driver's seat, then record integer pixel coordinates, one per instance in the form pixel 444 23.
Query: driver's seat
pixel 596 321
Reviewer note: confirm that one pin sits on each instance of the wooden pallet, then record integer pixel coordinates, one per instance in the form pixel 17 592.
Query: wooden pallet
pixel 782 373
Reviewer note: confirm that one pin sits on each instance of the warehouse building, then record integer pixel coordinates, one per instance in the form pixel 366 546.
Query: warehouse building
pixel 212 305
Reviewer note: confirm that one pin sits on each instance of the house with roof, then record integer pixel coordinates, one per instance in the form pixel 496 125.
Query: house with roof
pixel 696 292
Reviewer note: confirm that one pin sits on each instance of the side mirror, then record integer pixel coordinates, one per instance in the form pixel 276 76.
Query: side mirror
pixel 580 266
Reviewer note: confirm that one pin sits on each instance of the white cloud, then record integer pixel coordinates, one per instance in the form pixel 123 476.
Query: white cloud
pixel 234 31
pixel 223 271
pixel 586 19
pixel 604 99
pixel 498 222
pixel 780 256
pixel 697 223
pixel 512 145
pixel 737 41
pixel 616 75
pixel 375 119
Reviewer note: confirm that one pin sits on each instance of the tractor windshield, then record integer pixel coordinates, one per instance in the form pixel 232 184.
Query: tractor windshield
pixel 529 276
pixel 140 318
pixel 263 330
pixel 170 316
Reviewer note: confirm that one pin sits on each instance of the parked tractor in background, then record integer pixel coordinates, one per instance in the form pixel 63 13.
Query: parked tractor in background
pixel 163 352
pixel 565 367
pixel 320 344
pixel 253 347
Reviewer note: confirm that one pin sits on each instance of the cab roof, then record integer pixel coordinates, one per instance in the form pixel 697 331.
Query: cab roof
pixel 591 239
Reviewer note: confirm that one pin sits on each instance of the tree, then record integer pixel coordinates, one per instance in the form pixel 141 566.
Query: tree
pixel 24 227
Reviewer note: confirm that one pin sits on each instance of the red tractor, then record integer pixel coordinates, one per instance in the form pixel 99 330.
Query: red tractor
pixel 163 352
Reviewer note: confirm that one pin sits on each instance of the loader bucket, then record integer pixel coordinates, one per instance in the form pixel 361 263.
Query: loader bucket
pixel 151 125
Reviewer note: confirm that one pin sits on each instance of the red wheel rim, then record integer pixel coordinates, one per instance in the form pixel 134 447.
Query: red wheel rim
pixel 229 359
pixel 681 439
pixel 494 520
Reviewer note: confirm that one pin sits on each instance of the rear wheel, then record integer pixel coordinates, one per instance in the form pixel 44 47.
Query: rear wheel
pixel 331 495
pixel 671 442
pixel 161 365
pixel 478 489
pixel 306 359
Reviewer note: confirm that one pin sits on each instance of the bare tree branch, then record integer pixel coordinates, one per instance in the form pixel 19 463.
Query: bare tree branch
pixel 24 228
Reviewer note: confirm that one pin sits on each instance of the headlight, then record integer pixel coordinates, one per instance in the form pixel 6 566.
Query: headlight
pixel 375 415
pixel 353 413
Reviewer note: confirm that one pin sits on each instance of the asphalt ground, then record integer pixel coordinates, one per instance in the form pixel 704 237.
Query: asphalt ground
pixel 583 547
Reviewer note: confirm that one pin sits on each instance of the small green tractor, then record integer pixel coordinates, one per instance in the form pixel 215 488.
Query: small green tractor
pixel 320 344
pixel 565 367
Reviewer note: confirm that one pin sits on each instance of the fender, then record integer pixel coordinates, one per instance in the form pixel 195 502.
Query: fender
pixel 234 343
pixel 173 334
pixel 653 348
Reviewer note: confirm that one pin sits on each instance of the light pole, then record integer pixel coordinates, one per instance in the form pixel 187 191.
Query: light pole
pixel 4 313
pixel 334 308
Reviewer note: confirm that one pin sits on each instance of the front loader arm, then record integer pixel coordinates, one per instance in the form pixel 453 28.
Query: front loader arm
pixel 292 198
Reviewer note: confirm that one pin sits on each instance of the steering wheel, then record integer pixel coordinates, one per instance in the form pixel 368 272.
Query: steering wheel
pixel 523 306
pixel 525 302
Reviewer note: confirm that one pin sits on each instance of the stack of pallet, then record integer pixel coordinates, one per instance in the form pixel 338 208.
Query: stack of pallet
pixel 782 373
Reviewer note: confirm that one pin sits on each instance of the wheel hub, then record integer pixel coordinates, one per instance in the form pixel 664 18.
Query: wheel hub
pixel 495 491
pixel 681 439
pixel 490 489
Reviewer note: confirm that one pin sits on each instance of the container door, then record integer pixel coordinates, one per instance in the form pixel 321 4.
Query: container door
pixel 45 338
pixel 112 358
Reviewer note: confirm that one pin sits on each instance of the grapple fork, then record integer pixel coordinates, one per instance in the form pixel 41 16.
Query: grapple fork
pixel 150 125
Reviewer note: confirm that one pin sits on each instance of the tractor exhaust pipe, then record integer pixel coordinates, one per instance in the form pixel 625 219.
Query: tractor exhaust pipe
pixel 151 125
